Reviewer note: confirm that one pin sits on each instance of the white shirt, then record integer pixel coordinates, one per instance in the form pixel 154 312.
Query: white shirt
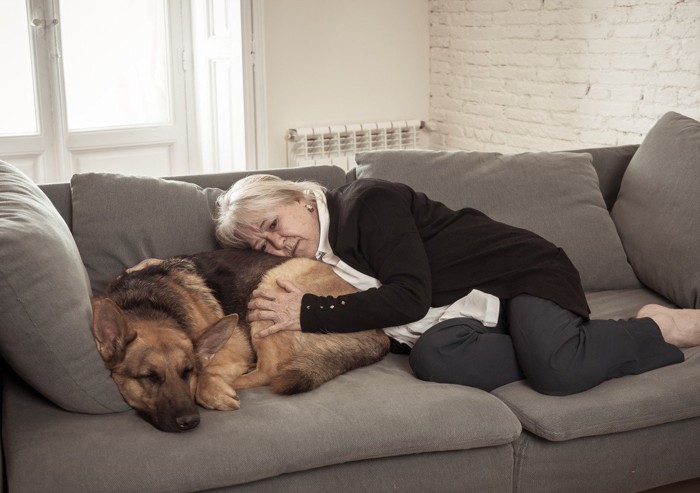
pixel 478 305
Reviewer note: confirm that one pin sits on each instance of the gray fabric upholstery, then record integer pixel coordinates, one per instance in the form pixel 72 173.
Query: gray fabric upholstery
pixel 345 420
pixel 610 164
pixel 624 303
pixel 616 463
pixel 45 308
pixel 59 194
pixel 553 194
pixel 657 210
pixel 660 396
pixel 120 220
pixel 667 394
pixel 328 176
pixel 476 470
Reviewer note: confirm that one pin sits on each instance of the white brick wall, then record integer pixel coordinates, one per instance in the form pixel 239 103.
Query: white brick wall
pixel 524 75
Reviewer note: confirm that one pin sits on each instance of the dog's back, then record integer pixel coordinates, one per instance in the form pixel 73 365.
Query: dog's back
pixel 290 362
pixel 160 290
pixel 233 274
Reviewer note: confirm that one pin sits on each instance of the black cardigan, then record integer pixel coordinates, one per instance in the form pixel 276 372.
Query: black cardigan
pixel 426 254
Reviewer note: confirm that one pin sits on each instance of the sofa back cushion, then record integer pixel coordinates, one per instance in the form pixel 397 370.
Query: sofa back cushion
pixel 120 220
pixel 556 195
pixel 657 210
pixel 45 309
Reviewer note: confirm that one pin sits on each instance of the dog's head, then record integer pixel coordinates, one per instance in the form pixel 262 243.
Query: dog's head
pixel 154 363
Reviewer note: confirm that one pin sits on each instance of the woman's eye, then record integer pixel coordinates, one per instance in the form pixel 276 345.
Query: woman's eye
pixel 273 225
pixel 263 247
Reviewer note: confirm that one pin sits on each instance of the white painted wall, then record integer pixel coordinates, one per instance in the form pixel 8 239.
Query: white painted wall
pixel 519 75
pixel 341 61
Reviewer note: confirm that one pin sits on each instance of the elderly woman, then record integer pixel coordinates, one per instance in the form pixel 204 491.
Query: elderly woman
pixel 475 301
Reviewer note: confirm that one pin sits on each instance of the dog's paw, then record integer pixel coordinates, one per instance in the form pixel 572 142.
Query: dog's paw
pixel 214 393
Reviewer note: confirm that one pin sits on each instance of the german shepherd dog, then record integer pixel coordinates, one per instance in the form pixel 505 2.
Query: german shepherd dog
pixel 176 334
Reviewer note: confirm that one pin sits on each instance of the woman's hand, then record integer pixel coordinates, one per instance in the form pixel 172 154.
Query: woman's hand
pixel 144 263
pixel 282 309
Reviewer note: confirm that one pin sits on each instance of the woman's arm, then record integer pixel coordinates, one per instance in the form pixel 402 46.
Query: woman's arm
pixel 380 236
pixel 398 260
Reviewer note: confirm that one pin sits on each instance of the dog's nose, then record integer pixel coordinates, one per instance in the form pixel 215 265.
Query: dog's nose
pixel 187 422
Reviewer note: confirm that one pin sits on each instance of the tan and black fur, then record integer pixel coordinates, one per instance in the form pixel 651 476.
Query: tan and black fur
pixel 176 334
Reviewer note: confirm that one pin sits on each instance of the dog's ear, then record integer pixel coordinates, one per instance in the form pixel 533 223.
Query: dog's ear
pixel 111 331
pixel 213 338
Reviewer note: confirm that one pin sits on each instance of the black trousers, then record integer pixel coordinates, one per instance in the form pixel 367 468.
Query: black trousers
pixel 557 351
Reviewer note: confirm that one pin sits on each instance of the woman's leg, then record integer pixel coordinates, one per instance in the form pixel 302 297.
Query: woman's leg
pixel 465 352
pixel 561 353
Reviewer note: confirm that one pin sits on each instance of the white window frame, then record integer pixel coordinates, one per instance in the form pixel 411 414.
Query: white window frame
pixel 254 83
pixel 51 155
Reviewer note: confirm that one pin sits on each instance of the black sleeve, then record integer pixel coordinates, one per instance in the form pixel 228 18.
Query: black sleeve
pixel 388 239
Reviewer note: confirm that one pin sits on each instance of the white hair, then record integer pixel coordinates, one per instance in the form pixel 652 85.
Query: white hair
pixel 248 202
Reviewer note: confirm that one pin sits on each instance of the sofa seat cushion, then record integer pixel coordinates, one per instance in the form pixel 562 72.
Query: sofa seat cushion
pixel 632 461
pixel 660 396
pixel 373 412
pixel 656 211
pixel 45 302
pixel 120 220
pixel 556 195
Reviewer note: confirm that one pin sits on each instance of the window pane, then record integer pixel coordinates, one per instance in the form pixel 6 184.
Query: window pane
pixel 115 63
pixel 17 100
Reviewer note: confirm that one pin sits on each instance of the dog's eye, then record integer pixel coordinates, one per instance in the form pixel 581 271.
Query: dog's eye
pixel 151 376
pixel 186 373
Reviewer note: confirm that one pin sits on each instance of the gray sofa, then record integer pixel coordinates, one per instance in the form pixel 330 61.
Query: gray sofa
pixel 65 428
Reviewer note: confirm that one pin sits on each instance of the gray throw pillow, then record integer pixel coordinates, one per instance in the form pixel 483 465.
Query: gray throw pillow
pixel 120 220
pixel 45 309
pixel 556 195
pixel 657 211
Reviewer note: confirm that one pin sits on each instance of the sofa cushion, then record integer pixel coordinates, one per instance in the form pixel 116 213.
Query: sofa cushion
pixel 371 413
pixel 45 302
pixel 667 394
pixel 553 194
pixel 120 220
pixel 671 393
pixel 657 208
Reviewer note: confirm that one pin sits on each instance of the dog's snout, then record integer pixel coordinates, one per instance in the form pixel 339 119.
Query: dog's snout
pixel 187 422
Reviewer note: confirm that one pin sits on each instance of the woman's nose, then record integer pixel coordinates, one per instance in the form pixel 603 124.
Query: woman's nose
pixel 276 240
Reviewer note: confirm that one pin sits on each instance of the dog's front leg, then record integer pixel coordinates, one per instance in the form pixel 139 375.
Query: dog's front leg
pixel 214 393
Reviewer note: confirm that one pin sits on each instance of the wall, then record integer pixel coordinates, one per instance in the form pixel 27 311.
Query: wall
pixel 559 74
pixel 339 61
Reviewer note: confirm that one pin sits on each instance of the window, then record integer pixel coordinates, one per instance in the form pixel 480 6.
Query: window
pixel 17 96
pixel 125 86
pixel 133 69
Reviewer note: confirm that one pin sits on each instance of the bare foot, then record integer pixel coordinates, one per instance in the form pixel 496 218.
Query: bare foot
pixel 680 327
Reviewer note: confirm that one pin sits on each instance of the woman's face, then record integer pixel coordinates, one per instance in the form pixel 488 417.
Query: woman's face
pixel 291 230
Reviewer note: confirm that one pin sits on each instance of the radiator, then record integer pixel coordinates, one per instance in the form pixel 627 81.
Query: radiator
pixel 338 144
